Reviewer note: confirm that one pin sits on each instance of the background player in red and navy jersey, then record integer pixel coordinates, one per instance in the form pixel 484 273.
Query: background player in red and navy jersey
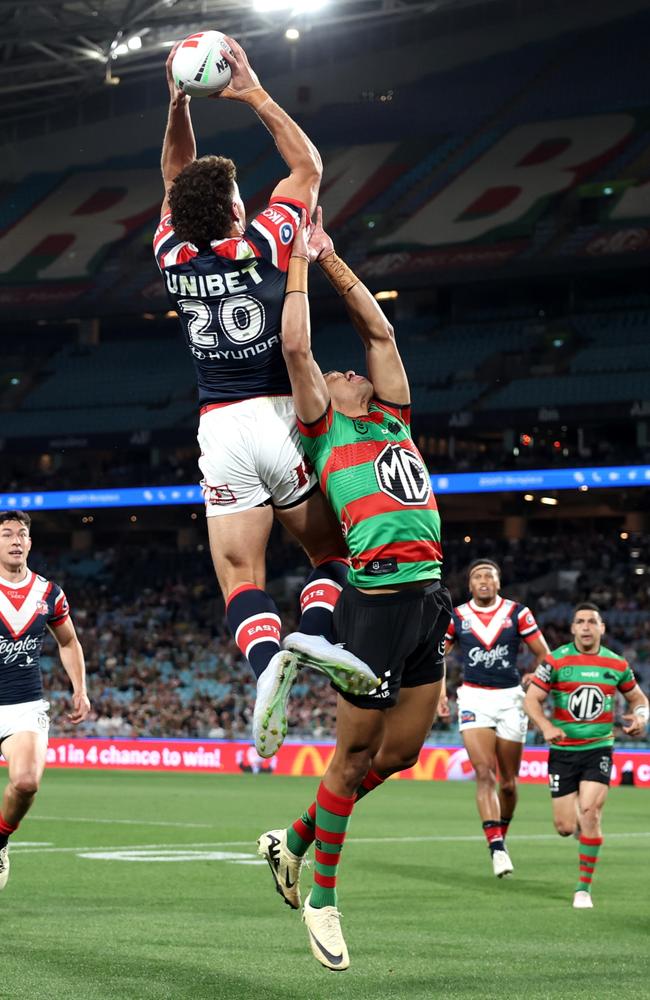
pixel 489 630
pixel 226 279
pixel 29 605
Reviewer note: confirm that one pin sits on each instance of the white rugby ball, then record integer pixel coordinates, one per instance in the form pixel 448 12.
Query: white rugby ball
pixel 198 67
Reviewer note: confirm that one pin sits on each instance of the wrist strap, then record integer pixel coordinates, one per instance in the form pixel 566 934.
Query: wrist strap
pixel 297 275
pixel 338 273
pixel 642 712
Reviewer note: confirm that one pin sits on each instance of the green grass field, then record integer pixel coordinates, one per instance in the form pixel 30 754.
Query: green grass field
pixel 423 915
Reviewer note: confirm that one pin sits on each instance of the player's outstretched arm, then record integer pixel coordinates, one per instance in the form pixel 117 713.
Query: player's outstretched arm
pixel 72 658
pixel 309 390
pixel 533 707
pixel 385 368
pixel 295 148
pixel 638 717
pixel 179 144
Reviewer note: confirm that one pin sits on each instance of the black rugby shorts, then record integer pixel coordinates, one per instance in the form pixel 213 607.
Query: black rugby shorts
pixel 401 636
pixel 567 768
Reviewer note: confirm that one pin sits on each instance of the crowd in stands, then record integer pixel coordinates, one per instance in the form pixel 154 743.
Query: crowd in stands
pixel 161 661
pixel 443 453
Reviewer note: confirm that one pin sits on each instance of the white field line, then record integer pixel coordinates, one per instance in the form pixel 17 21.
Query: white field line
pixel 122 822
pixel 16 848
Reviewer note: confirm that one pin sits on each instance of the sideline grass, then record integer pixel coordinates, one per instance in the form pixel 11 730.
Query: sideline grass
pixel 423 918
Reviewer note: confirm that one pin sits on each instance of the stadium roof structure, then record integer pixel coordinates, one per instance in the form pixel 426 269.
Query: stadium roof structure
pixel 56 52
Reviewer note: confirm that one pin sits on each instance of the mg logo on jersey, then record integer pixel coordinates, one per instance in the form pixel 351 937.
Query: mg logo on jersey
pixel 402 476
pixel 586 703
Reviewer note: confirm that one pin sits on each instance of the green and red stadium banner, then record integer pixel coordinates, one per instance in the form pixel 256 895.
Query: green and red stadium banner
pixel 436 763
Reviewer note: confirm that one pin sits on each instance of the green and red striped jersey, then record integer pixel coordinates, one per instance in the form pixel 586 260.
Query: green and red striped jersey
pixel 583 689
pixel 376 481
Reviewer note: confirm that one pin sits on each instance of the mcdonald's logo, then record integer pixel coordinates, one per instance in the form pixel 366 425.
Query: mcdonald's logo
pixel 310 760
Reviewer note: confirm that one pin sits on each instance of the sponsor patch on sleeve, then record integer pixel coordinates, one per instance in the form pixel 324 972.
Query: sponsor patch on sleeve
pixel 543 673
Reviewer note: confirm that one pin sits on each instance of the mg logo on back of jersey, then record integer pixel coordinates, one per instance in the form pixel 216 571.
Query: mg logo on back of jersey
pixel 586 703
pixel 402 476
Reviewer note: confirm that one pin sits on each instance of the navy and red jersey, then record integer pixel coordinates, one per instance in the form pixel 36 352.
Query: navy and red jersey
pixel 229 299
pixel 489 640
pixel 26 609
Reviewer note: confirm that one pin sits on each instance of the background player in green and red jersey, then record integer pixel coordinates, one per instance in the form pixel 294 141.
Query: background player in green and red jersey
pixel 582 679
pixel 394 611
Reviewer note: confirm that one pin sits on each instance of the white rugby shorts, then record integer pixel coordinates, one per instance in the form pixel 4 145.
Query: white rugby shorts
pixel 26 717
pixel 250 454
pixel 493 708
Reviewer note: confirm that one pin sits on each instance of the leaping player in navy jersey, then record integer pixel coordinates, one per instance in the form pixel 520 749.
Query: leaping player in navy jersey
pixel 489 630
pixel 29 604
pixel 226 279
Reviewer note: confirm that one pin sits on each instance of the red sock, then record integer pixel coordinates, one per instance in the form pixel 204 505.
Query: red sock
pixel 5 828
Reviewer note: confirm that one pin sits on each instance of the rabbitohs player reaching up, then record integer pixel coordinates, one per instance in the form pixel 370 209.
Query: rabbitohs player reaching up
pixel 489 629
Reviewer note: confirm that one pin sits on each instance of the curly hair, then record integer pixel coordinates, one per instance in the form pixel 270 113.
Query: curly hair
pixel 200 200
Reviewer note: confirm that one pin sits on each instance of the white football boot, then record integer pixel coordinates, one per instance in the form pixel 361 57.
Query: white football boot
pixel 4 866
pixel 582 900
pixel 285 866
pixel 325 937
pixel 346 670
pixel 501 864
pixel 270 713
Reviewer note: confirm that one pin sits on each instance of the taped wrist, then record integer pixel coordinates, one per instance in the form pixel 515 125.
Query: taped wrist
pixel 338 273
pixel 297 275
pixel 256 97
pixel 642 712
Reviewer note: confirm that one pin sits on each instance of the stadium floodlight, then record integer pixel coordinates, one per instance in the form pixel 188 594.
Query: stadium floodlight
pixel 549 501
pixel 270 6
pixel 292 34
pixel 295 6
pixel 134 43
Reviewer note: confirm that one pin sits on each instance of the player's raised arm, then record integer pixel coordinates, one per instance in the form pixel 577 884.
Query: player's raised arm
pixel 72 658
pixel 310 394
pixel 295 148
pixel 179 144
pixel 385 368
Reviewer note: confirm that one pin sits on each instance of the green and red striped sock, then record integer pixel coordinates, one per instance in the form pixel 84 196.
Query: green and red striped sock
pixel 371 781
pixel 332 819
pixel 302 833
pixel 589 851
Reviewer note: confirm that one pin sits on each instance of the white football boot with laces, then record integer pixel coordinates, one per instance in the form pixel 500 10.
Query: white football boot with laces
pixel 582 900
pixel 501 864
pixel 346 670
pixel 270 713
pixel 285 866
pixel 4 866
pixel 325 937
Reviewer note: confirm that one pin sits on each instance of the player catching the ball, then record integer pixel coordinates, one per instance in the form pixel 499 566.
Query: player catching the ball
pixel 226 279
pixel 582 679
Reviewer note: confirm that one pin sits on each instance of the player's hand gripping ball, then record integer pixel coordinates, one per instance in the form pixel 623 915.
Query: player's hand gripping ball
pixel 198 67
